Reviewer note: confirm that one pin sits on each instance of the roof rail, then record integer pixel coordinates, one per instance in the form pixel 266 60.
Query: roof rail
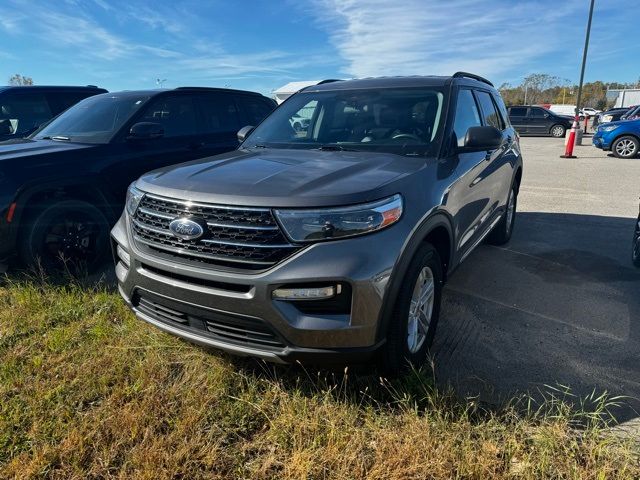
pixel 328 80
pixel 471 75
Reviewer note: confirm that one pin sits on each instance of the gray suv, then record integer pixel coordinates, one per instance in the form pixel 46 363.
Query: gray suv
pixel 328 243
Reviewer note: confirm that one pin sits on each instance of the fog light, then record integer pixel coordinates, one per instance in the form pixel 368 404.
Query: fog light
pixel 123 256
pixel 313 293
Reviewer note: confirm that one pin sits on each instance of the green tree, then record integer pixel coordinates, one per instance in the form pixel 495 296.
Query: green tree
pixel 18 79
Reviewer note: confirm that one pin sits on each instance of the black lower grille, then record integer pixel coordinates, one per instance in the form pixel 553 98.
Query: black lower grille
pixel 237 330
pixel 241 237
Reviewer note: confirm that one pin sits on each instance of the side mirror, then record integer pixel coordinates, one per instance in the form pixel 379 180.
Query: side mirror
pixel 244 132
pixel 546 115
pixel 145 131
pixel 482 138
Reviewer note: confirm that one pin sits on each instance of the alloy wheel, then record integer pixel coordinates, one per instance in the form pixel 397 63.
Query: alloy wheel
pixel 625 147
pixel 420 310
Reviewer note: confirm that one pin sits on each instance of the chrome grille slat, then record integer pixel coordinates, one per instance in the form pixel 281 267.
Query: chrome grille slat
pixel 247 238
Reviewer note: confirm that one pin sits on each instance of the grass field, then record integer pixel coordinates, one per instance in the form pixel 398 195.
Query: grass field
pixel 88 391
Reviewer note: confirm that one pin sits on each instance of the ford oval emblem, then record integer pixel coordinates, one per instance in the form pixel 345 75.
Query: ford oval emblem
pixel 186 228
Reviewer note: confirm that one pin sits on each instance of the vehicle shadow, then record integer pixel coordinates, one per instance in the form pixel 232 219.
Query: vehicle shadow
pixel 558 305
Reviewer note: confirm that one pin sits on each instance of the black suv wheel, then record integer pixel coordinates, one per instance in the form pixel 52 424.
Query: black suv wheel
pixel 415 318
pixel 558 131
pixel 69 234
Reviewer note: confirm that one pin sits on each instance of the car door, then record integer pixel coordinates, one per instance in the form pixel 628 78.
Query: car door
pixel 540 121
pixel 472 188
pixel 21 113
pixel 499 170
pixel 519 119
pixel 183 140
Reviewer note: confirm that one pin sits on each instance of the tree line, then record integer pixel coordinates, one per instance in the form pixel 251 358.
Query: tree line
pixel 540 88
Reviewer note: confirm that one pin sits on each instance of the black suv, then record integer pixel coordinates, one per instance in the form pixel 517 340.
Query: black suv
pixel 532 120
pixel 23 109
pixel 330 242
pixel 63 187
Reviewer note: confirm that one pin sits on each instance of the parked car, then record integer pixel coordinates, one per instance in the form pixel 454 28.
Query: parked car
pixel 591 112
pixel 64 186
pixel 300 123
pixel 635 247
pixel 622 138
pixel 612 115
pixel 533 120
pixel 631 114
pixel 24 108
pixel 332 246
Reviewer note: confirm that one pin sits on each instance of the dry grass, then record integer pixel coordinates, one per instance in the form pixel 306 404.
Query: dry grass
pixel 87 391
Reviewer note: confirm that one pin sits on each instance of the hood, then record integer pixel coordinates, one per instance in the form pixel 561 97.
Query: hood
pixel 283 178
pixel 24 147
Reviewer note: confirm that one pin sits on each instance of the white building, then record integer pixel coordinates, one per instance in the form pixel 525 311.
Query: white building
pixel 627 97
pixel 284 92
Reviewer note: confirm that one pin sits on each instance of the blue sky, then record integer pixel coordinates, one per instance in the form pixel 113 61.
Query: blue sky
pixel 261 45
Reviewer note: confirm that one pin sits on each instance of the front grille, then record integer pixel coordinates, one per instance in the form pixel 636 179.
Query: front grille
pixel 238 330
pixel 240 237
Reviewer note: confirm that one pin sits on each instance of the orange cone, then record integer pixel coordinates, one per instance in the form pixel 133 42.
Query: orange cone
pixel 568 153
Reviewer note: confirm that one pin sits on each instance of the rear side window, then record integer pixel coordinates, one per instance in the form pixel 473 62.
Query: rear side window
pixel 518 111
pixel 60 101
pixel 502 109
pixel 466 115
pixel 21 114
pixel 220 113
pixel 256 109
pixel 489 111
pixel 177 115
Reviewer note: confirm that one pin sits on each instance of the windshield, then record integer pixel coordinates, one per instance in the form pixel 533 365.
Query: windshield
pixel 94 120
pixel 401 120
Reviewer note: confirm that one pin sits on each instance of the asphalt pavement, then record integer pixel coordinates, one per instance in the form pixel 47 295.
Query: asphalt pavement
pixel 559 304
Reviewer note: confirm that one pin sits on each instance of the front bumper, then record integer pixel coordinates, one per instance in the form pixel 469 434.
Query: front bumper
pixel 599 141
pixel 235 312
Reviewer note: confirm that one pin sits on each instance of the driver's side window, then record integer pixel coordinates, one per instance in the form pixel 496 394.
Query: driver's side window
pixel 176 114
pixel 466 115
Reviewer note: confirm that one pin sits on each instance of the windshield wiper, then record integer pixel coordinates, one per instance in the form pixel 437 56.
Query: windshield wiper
pixel 335 148
pixel 56 137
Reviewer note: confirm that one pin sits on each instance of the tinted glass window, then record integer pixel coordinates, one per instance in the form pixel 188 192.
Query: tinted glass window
pixel 395 120
pixel 94 120
pixel 220 113
pixel 489 110
pixel 21 114
pixel 502 109
pixel 518 111
pixel 466 115
pixel 256 109
pixel 60 101
pixel 176 114
pixel 538 112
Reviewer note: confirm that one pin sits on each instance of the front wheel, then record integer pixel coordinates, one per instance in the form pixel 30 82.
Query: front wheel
pixel 415 318
pixel 625 147
pixel 69 234
pixel 558 131
pixel 635 252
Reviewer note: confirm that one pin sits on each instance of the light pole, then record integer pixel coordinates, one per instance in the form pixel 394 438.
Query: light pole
pixel 572 136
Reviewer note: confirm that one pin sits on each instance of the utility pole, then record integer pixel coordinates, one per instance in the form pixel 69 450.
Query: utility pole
pixel 572 135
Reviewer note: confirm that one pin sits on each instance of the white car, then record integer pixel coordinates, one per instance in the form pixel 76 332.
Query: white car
pixel 592 112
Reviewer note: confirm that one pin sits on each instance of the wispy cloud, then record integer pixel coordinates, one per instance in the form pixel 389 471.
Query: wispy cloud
pixel 381 37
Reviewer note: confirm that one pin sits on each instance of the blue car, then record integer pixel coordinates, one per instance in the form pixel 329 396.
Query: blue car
pixel 622 138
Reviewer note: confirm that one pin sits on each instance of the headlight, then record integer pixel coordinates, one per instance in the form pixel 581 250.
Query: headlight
pixel 608 128
pixel 333 223
pixel 134 197
pixel 607 118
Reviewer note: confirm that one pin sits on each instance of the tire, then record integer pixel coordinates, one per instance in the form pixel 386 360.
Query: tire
pixel 69 235
pixel 502 232
pixel 558 131
pixel 625 147
pixel 635 247
pixel 407 344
